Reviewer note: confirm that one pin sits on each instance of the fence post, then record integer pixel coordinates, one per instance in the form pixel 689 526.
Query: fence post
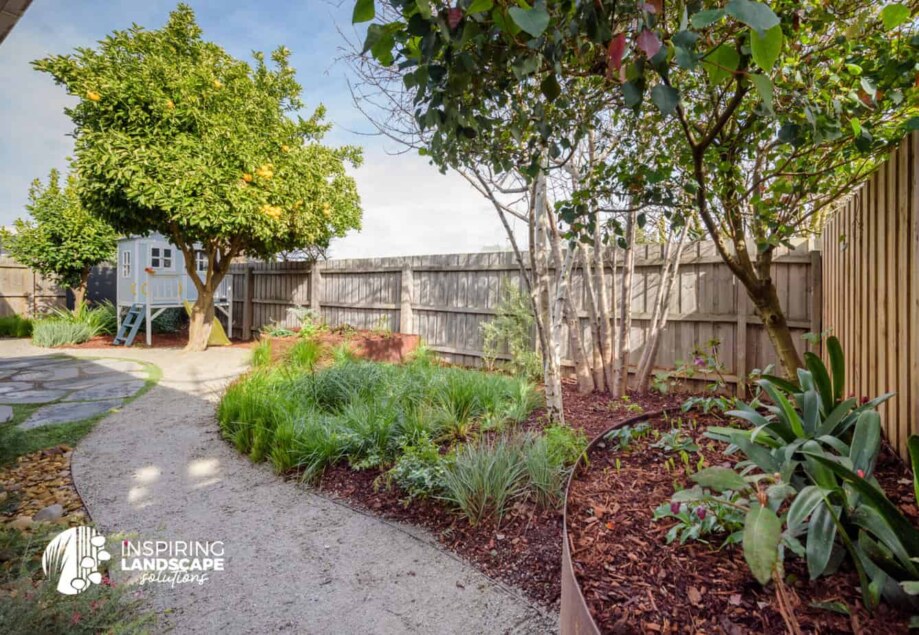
pixel 405 305
pixel 316 288
pixel 247 304
pixel 816 307
pixel 740 339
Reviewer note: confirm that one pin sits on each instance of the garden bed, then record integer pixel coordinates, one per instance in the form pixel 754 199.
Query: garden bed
pixel 370 345
pixel 525 548
pixel 633 580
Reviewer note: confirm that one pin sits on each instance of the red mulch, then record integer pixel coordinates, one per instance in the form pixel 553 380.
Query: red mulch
pixel 372 345
pixel 525 549
pixel 633 580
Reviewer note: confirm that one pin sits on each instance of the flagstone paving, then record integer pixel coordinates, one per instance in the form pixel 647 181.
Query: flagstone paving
pixel 67 389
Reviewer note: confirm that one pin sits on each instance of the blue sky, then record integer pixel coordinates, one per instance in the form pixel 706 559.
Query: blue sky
pixel 409 207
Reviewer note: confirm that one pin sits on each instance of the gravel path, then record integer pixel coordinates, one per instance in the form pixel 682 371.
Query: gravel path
pixel 295 562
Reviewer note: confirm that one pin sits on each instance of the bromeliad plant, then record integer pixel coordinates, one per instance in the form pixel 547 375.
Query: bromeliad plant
pixel 822 448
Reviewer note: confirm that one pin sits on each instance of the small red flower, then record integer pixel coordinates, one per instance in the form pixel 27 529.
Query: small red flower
pixel 107 581
pixel 865 400
pixel 861 473
pixel 674 508
pixel 700 512
pixel 75 618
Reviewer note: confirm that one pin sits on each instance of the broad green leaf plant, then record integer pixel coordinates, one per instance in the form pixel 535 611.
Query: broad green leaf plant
pixel 62 239
pixel 816 449
pixel 174 135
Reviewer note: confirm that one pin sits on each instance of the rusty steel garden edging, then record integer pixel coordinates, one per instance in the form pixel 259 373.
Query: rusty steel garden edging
pixel 575 617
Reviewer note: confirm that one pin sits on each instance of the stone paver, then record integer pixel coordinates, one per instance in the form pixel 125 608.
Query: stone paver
pixel 118 390
pixel 73 389
pixel 68 411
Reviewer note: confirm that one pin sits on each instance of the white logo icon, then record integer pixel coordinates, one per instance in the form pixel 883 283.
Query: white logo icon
pixel 74 556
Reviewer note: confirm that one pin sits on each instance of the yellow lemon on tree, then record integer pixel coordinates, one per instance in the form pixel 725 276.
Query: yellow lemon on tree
pixel 170 104
pixel 265 171
pixel 93 95
pixel 285 148
pixel 218 83
pixel 247 177
pixel 272 211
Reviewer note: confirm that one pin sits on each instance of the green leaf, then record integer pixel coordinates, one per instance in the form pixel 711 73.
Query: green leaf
pixel 720 63
pixel 821 380
pixel 787 412
pixel 893 15
pixel 837 365
pixel 762 534
pixel 781 382
pixel 550 87
pixel 834 418
pixel 802 507
pixel 755 15
pixel 706 17
pixel 631 93
pixel 534 21
pixel 866 441
pixel 764 88
pixel 364 11
pixel 878 500
pixel 767 47
pixel 665 98
pixel 913 446
pixel 821 534
pixel 720 479
pixel 480 6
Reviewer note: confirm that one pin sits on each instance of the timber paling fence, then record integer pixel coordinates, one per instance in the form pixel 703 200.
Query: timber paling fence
pixel 446 298
pixel 25 292
pixel 871 288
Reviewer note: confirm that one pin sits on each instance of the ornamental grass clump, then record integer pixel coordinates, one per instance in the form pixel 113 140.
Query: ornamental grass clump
pixel 15 326
pixel 485 477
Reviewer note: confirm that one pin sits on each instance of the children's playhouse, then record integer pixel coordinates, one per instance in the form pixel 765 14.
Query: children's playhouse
pixel 152 278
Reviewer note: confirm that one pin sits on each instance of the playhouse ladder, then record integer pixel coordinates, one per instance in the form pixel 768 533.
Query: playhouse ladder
pixel 130 325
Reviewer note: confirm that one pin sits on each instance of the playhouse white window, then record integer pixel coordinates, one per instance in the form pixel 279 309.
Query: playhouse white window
pixel 126 264
pixel 200 260
pixel 161 257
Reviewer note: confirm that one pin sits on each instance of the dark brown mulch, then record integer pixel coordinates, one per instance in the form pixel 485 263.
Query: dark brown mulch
pixel 160 340
pixel 525 549
pixel 633 581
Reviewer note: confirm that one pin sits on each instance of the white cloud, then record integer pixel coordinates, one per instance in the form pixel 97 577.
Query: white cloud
pixel 410 208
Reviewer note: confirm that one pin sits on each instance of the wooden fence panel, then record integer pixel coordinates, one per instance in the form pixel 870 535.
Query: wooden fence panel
pixel 25 292
pixel 449 297
pixel 871 289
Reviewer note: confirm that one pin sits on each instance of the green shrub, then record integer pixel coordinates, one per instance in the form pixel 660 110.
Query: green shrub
pixel 261 354
pixel 63 327
pixel 548 459
pixel 485 477
pixel 50 332
pixel 511 331
pixel 15 326
pixel 420 469
pixel 13 443
pixel 169 321
pixel 304 354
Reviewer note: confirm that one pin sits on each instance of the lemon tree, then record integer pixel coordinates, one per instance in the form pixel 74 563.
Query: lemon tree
pixel 174 135
pixel 61 238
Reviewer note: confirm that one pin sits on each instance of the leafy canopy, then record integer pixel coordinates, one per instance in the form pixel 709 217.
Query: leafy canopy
pixel 176 136
pixel 787 104
pixel 62 239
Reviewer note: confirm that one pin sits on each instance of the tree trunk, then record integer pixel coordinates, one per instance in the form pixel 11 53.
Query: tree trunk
pixel 538 247
pixel 625 310
pixel 79 291
pixel 769 309
pixel 669 272
pixel 607 335
pixel 566 309
pixel 202 319
pixel 599 368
